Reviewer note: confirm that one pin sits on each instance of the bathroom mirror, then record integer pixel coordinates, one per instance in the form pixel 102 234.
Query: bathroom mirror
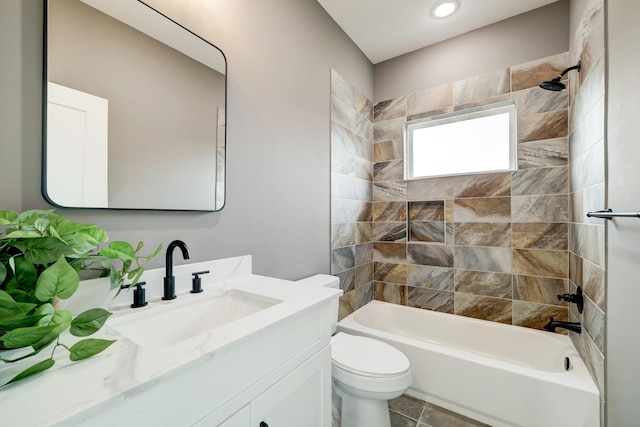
pixel 135 110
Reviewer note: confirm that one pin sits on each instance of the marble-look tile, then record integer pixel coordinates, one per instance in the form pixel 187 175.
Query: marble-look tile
pixel 490 209
pixel 344 139
pixel 389 211
pixel 540 181
pixel 483 307
pixel 547 208
pixel 593 200
pixel 591 91
pixel 483 258
pixel 431 299
pixel 390 292
pixel 363 169
pixel 576 209
pixel 424 276
pixel 364 232
pixel 399 420
pixel 364 274
pixel 387 150
pixel 343 259
pixel 594 46
pixel 545 153
pixel 587 22
pixel 390 252
pixel 433 99
pixel 364 254
pixel 389 191
pixel 364 106
pixel 391 170
pixel 535 315
pixel 536 100
pixel 426 231
pixel 481 185
pixel 390 109
pixel 388 130
pixel 390 273
pixel 344 210
pixel 594 361
pixel 448 210
pixel 538 262
pixel 449 233
pixel 343 235
pixel 430 254
pixel 588 241
pixel 594 283
pixel 347 280
pixel 593 323
pixel 549 125
pixel 483 283
pixel 544 290
pixel 346 305
pixel 342 162
pixel 435 416
pixel 432 210
pixel 575 269
pixel 390 231
pixel 483 234
pixel 482 102
pixel 364 295
pixel 342 89
pixel 408 406
pixel 531 74
pixel 482 86
pixel 432 113
pixel 343 114
pixel 535 235
pixel 347 187
pixel 588 130
pixel 588 169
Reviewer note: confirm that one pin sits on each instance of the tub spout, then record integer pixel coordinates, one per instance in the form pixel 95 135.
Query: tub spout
pixel 571 326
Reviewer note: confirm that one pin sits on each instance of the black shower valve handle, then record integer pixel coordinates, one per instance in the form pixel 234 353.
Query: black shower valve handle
pixel 576 299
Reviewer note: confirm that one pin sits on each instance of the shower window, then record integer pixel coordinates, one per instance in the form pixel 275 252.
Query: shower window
pixel 477 140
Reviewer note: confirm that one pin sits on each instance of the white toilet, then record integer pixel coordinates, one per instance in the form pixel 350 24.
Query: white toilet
pixel 366 372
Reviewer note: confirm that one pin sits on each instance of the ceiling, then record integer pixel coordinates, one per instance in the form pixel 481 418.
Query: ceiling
pixel 384 29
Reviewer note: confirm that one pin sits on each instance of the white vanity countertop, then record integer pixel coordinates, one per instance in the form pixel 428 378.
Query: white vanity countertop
pixel 91 385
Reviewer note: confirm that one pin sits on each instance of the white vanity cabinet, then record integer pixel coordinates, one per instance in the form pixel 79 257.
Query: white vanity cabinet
pixel 301 398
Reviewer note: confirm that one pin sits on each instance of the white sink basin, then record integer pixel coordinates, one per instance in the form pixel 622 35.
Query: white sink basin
pixel 171 323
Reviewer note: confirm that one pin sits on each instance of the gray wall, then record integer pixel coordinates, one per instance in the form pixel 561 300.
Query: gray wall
pixel 623 290
pixel 279 55
pixel 536 34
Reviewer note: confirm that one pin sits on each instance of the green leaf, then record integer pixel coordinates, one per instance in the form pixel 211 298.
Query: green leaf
pixel 7 217
pixel 158 249
pixel 25 274
pixel 27 306
pixel 21 234
pixel 29 217
pixel 60 321
pixel 41 224
pixel 46 250
pixel 3 273
pixel 5 296
pixel 58 280
pixel 24 322
pixel 10 310
pixel 87 348
pixel 119 250
pixel 23 337
pixel 34 369
pixel 89 322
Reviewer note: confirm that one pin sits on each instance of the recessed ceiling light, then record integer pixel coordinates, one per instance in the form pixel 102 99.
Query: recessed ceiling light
pixel 445 8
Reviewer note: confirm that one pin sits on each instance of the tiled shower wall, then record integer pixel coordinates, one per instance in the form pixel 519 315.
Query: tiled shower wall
pixel 351 175
pixel 504 252
pixel 587 189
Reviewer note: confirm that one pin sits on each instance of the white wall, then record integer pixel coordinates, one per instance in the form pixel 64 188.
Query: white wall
pixel 279 55
pixel 623 240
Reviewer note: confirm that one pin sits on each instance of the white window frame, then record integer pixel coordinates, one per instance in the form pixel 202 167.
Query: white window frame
pixel 459 116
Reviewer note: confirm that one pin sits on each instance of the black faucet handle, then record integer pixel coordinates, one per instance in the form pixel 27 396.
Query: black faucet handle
pixel 139 292
pixel 196 282
pixel 576 298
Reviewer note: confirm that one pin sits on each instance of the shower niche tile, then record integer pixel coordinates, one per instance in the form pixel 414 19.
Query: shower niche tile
pixel 426 221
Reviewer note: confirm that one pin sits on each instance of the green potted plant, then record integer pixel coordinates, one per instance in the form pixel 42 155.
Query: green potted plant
pixel 41 255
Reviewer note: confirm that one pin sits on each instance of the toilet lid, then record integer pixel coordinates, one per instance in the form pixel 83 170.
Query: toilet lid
pixel 366 356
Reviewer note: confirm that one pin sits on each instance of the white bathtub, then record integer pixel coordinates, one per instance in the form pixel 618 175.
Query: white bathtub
pixel 499 374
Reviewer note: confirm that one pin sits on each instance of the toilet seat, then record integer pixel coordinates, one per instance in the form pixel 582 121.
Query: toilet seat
pixel 367 357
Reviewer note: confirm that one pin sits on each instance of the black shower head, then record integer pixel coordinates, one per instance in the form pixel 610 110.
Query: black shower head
pixel 555 84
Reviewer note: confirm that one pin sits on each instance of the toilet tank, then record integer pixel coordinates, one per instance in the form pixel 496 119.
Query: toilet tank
pixel 328 281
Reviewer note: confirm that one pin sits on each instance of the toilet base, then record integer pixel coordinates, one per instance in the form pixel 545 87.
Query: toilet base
pixel 362 412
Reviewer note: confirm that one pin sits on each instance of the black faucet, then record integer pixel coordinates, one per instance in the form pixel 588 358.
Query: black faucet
pixel 571 326
pixel 169 279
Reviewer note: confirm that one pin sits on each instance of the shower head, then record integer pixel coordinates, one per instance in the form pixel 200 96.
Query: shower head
pixel 555 84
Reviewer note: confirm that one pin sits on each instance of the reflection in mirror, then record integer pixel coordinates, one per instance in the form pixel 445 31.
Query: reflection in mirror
pixel 135 110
